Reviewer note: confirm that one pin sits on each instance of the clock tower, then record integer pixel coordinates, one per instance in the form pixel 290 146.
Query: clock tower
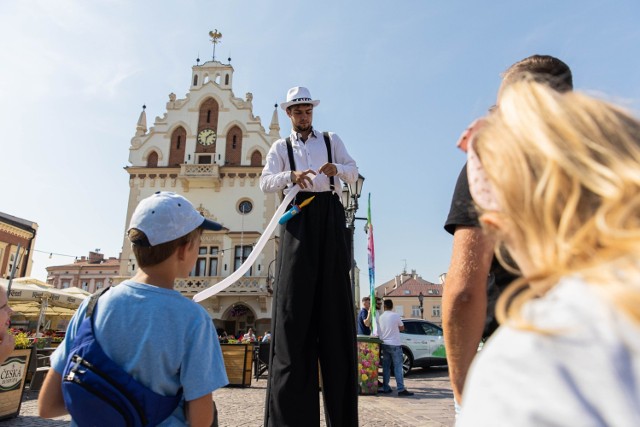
pixel 209 147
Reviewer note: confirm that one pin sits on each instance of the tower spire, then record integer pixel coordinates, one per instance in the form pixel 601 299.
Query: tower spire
pixel 141 127
pixel 215 39
pixel 274 128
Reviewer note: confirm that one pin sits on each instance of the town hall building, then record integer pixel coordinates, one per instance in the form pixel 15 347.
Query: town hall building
pixel 209 147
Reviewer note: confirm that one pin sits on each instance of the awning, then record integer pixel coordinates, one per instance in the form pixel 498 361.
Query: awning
pixel 32 309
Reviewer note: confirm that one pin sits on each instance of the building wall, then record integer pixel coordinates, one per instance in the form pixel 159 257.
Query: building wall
pixel 13 232
pixel 89 273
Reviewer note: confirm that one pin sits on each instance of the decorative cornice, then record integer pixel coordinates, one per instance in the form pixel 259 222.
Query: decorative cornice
pixel 10 229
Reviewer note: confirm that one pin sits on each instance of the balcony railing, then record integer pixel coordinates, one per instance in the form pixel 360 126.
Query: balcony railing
pixel 246 285
pixel 200 175
pixel 206 170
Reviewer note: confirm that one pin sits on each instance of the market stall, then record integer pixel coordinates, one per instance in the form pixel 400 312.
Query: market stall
pixel 38 305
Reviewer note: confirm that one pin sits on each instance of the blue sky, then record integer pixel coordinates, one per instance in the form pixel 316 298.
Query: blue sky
pixel 398 81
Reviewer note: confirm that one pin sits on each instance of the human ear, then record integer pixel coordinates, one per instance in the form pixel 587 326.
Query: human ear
pixel 181 251
pixel 494 223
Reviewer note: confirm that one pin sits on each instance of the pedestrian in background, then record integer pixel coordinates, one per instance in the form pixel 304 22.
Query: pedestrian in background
pixel 364 317
pixel 390 327
pixel 565 203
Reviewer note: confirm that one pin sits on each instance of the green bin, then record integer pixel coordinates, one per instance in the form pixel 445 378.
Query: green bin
pixel 368 363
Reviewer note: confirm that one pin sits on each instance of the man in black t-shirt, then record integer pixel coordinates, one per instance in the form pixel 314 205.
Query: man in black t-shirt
pixel 465 296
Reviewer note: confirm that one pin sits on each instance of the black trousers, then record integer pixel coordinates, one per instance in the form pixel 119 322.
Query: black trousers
pixel 313 321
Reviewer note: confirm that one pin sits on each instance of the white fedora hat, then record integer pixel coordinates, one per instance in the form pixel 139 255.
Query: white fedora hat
pixel 298 95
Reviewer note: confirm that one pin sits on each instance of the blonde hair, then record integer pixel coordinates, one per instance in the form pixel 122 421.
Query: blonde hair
pixel 566 172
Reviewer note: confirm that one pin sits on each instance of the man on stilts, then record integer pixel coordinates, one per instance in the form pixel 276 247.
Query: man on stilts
pixel 313 309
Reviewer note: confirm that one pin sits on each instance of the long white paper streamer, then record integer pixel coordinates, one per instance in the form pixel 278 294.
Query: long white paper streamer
pixel 257 249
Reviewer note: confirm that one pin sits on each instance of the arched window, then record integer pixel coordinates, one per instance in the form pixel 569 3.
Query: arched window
pixel 152 160
pixel 256 158
pixel 176 149
pixel 234 146
pixel 195 80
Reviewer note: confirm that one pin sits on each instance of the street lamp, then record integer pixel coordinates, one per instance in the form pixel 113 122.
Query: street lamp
pixel 270 279
pixel 350 195
pixel 421 301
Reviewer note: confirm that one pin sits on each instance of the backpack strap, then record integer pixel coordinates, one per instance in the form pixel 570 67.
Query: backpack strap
pixel 93 300
pixel 327 143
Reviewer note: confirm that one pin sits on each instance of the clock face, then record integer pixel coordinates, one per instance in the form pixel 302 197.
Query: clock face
pixel 207 136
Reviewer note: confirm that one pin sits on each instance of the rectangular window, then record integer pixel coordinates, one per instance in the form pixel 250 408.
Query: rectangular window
pixel 85 286
pixel 241 254
pixel 65 284
pixel 204 160
pixel 213 266
pixel 207 262
pixel 200 268
pixel 415 311
pixel 435 311
pixel 99 284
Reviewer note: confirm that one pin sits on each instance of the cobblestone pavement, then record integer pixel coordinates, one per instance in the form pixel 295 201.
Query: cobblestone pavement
pixel 431 406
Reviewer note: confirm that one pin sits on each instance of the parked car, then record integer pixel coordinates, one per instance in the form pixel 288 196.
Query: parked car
pixel 422 345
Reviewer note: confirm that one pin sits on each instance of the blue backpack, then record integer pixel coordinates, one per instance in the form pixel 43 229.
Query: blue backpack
pixel 97 392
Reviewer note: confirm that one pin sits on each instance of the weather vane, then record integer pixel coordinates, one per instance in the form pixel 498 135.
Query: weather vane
pixel 215 39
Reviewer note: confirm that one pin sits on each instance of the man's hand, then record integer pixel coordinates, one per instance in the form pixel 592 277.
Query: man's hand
pixel 329 169
pixel 302 178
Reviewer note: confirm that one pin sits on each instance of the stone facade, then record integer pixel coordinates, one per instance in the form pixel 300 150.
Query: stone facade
pixel 17 240
pixel 209 147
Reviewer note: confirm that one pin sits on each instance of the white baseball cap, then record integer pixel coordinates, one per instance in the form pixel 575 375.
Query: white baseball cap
pixel 166 216
pixel 298 95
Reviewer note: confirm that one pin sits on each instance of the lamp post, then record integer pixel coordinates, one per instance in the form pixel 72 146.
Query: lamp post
pixel 270 278
pixel 350 196
pixel 421 301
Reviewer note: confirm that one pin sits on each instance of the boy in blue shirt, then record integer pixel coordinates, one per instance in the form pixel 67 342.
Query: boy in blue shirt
pixel 162 339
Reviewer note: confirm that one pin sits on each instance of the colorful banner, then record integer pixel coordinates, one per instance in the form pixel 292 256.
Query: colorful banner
pixel 372 263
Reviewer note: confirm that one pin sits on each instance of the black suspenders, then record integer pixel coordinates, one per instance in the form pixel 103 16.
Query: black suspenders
pixel 327 143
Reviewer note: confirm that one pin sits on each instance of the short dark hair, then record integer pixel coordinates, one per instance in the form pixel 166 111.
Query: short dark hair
pixel 543 69
pixel 388 304
pixel 366 299
pixel 148 256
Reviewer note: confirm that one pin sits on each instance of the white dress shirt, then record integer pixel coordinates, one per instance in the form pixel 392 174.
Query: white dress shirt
pixel 311 154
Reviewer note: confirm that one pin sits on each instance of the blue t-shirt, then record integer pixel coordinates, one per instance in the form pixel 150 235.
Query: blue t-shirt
pixel 362 328
pixel 161 338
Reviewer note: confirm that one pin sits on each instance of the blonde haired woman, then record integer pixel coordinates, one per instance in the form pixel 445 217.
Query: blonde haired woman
pixel 557 180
